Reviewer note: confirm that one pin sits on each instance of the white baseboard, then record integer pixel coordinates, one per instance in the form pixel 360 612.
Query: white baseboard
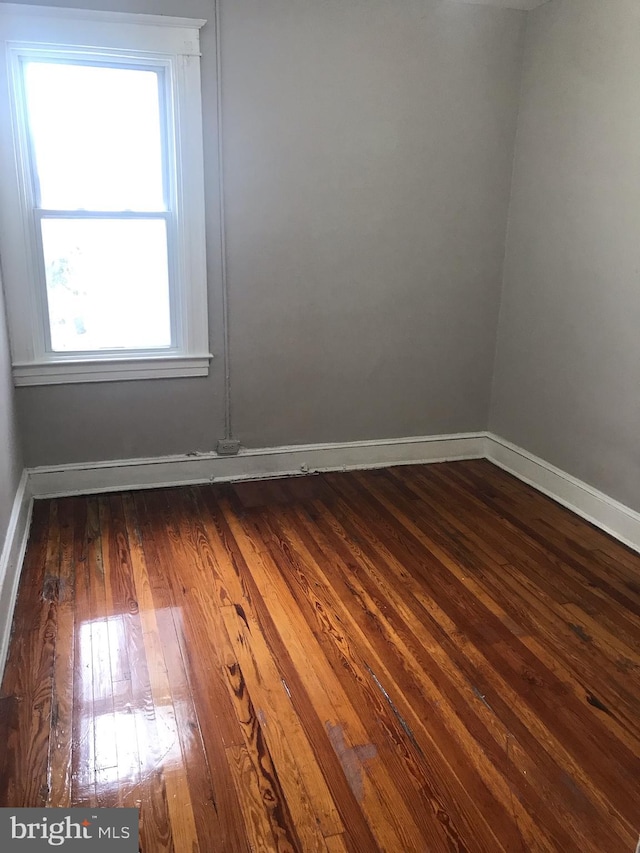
pixel 125 474
pixel 11 560
pixel 591 504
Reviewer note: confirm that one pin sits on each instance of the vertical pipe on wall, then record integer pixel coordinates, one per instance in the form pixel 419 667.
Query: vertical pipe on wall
pixel 228 422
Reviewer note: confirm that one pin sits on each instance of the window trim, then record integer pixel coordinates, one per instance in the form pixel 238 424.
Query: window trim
pixel 171 44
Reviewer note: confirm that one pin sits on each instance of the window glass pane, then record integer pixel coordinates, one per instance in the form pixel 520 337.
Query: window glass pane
pixel 107 283
pixel 96 135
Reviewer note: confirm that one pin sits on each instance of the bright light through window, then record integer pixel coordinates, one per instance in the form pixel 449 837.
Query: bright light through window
pixel 107 285
pixel 96 136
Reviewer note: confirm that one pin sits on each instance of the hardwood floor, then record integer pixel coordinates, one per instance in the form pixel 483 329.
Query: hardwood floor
pixel 426 658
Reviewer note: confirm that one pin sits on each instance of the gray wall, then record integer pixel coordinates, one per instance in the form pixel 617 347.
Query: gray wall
pixel 368 150
pixel 10 452
pixel 567 381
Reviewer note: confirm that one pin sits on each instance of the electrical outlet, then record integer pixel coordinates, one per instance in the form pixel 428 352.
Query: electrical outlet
pixel 227 447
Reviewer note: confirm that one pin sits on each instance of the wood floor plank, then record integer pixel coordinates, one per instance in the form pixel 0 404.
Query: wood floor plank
pixel 71 517
pixel 170 628
pixel 99 752
pixel 30 673
pixel 304 786
pixel 278 812
pixel 140 736
pixel 83 788
pixel 200 641
pixel 422 659
pixel 172 763
pixel 257 819
pixel 283 730
pixel 337 844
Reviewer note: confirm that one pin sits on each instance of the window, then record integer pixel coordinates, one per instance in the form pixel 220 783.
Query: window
pixel 102 212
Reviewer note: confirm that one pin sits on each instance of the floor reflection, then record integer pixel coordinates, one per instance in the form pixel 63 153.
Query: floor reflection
pixel 125 709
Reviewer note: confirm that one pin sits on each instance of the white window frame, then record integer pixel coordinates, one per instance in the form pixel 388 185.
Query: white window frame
pixel 168 44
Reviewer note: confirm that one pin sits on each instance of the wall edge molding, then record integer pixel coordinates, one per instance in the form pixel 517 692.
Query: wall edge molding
pixel 12 559
pixel 611 516
pixel 252 463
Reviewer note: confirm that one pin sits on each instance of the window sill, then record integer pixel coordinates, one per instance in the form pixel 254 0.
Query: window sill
pixel 112 370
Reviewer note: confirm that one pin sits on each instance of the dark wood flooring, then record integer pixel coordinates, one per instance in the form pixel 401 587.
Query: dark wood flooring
pixel 426 658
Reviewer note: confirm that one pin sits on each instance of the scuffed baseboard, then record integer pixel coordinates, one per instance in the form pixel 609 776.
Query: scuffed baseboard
pixel 126 474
